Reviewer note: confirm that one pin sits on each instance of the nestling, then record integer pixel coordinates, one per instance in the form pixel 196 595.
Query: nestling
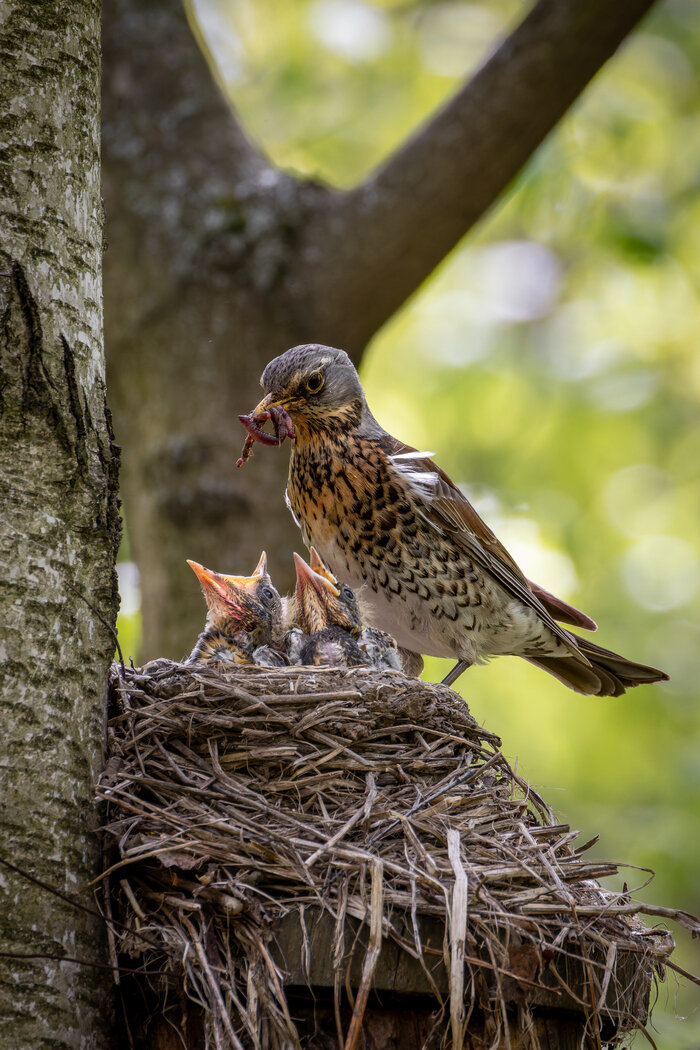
pixel 378 646
pixel 328 616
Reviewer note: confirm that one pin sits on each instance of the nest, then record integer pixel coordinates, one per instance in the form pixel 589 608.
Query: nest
pixel 353 831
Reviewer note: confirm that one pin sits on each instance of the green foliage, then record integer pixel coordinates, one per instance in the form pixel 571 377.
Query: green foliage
pixel 551 363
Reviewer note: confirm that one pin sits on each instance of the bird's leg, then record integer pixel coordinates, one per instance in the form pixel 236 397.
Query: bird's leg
pixel 457 670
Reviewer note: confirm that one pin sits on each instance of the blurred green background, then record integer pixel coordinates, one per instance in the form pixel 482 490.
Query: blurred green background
pixel 552 365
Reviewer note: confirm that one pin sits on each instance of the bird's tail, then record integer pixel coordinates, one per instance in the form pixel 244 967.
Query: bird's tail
pixel 605 674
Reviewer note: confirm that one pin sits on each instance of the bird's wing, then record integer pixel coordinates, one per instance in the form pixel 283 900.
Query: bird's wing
pixel 448 511
pixel 561 610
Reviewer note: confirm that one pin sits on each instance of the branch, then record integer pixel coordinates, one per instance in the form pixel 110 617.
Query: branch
pixel 382 239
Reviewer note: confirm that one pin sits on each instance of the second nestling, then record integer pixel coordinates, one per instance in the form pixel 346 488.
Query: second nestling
pixel 320 624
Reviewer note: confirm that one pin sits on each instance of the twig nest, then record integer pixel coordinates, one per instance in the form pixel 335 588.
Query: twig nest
pixel 348 828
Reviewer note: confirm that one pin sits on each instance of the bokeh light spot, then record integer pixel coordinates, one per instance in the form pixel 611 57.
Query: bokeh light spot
pixel 639 499
pixel 661 572
pixel 350 28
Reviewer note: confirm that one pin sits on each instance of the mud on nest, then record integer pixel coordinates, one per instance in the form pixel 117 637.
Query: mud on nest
pixel 353 800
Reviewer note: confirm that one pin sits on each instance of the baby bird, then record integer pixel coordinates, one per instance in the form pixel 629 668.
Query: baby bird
pixel 383 653
pixel 244 618
pixel 327 621
pixel 378 646
pixel 330 627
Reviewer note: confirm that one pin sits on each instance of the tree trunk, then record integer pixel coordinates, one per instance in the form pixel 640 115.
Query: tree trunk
pixel 218 262
pixel 196 248
pixel 59 528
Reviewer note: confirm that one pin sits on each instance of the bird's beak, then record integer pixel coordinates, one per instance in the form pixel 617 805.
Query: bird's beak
pixel 245 583
pixel 306 577
pixel 269 402
pixel 219 594
pixel 261 568
pixel 212 582
pixel 224 595
pixel 318 567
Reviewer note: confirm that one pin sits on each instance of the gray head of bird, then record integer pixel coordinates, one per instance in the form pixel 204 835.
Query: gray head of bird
pixel 316 385
pixel 243 603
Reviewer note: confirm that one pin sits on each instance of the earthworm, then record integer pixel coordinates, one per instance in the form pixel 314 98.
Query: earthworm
pixel 281 423
pixel 281 420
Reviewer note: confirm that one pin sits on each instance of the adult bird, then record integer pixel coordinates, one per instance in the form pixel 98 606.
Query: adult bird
pixel 386 518
pixel 244 618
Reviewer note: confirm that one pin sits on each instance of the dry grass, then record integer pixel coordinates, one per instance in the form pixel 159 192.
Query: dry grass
pixel 337 796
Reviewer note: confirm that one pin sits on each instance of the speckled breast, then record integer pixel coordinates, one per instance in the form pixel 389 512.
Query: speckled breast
pixel 412 582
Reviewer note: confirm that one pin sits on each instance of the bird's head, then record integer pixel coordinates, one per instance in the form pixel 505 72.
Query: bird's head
pixel 242 603
pixel 321 602
pixel 317 385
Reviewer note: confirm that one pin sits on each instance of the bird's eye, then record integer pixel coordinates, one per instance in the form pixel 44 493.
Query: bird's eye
pixel 314 382
pixel 266 593
pixel 346 591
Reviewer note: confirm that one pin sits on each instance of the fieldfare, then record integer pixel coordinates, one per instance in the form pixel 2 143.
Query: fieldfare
pixel 378 646
pixel 387 519
pixel 244 618
pixel 328 618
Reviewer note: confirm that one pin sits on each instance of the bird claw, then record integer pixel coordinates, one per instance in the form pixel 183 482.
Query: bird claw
pixel 281 424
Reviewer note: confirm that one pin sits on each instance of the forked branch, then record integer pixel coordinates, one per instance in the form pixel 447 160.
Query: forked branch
pixel 383 238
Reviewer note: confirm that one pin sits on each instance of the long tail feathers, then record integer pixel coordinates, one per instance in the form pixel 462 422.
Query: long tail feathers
pixel 606 674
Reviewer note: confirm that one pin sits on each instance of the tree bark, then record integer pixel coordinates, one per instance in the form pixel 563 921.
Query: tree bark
pixel 59 525
pixel 218 262
pixel 199 230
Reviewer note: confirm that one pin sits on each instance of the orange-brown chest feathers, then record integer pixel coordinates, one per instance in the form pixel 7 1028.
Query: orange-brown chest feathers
pixel 342 493
pixel 372 530
pixel 329 484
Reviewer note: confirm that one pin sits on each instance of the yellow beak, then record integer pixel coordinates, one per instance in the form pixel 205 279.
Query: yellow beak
pixel 322 570
pixel 306 577
pixel 269 402
pixel 217 583
pixel 261 568
pixel 212 582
